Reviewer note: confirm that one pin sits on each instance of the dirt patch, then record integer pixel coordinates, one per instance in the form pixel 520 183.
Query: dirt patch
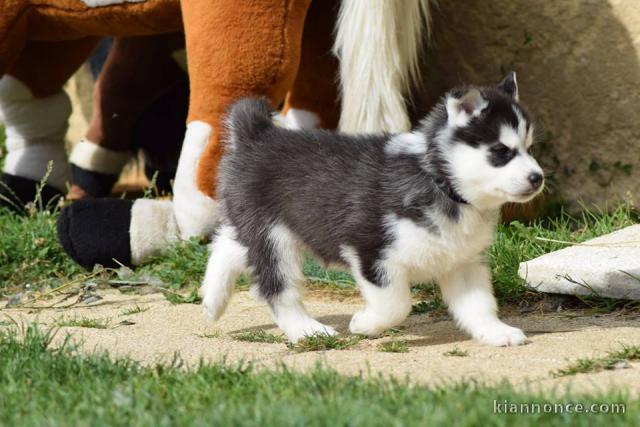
pixel 158 330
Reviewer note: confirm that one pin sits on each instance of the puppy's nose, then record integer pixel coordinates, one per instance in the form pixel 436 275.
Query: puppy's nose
pixel 535 179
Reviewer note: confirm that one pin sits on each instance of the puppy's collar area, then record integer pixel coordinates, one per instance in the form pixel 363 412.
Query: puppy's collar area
pixel 445 186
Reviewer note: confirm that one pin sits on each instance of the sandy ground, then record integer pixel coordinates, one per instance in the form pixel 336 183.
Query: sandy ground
pixel 165 329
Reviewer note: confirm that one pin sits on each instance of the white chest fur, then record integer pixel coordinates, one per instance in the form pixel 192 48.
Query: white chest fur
pixel 424 254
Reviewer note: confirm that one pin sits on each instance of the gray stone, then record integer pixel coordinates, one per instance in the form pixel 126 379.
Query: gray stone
pixel 608 266
pixel 578 71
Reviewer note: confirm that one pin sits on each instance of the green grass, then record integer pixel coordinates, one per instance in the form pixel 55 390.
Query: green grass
pixel 214 334
pixel 321 342
pixel 431 300
pixel 334 280
pixel 517 242
pixel 40 385
pixel 136 309
pixel 393 332
pixel 32 259
pixel 191 297
pixel 30 255
pixel 456 352
pixel 259 336
pixel 180 266
pixel 83 322
pixel 427 306
pixel 395 346
pixel 612 360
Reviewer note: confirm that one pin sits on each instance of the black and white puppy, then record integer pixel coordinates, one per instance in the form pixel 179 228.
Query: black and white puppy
pixel 394 209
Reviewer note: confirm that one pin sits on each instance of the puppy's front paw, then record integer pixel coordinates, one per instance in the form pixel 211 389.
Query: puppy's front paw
pixel 501 335
pixel 308 329
pixel 364 323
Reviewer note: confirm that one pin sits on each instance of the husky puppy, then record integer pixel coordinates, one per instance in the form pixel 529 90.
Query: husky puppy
pixel 394 209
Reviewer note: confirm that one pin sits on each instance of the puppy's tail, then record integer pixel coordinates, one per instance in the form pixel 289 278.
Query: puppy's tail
pixel 247 119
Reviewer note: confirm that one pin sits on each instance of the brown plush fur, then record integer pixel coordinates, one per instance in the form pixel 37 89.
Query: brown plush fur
pixel 315 88
pixel 236 62
pixel 46 66
pixel 66 20
pixel 138 70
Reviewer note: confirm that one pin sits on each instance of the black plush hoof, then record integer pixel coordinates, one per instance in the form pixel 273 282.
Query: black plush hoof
pixel 16 192
pixel 94 184
pixel 97 232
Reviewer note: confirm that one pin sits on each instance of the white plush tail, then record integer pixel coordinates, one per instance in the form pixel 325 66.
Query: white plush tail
pixel 378 43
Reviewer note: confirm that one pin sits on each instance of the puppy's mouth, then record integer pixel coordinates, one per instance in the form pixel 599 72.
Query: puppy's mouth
pixel 526 196
pixel 522 197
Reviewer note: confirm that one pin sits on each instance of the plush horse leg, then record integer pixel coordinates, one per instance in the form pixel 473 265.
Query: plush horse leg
pixel 137 73
pixel 35 110
pixel 114 231
pixel 226 62
pixel 159 134
pixel 313 100
pixel 258 58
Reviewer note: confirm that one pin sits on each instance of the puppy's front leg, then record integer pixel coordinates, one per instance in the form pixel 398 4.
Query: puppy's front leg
pixel 467 291
pixel 386 307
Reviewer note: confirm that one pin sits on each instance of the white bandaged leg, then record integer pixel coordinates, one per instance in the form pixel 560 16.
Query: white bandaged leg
pixel 196 213
pixel 35 130
pixel 153 228
pixel 92 157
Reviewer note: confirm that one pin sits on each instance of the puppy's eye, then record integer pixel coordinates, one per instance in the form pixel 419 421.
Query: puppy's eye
pixel 500 150
pixel 500 154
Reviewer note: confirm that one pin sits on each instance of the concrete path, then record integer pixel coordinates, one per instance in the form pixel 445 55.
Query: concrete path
pixel 165 329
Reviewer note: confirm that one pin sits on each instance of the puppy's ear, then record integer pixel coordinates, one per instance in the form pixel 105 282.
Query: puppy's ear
pixel 509 85
pixel 460 110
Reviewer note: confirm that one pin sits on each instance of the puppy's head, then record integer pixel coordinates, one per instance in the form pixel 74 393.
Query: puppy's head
pixel 490 134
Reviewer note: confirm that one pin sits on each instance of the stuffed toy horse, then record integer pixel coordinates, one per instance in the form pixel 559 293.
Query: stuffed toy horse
pixel 273 48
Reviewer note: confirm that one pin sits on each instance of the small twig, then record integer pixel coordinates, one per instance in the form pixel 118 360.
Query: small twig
pixel 623 244
pixel 120 283
pixel 61 287
pixel 314 279
pixel 169 291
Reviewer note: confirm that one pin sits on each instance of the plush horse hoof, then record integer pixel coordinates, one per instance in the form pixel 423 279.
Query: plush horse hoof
pixel 97 232
pixel 16 192
pixel 93 184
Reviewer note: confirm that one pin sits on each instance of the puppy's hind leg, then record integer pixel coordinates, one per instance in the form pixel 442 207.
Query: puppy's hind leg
pixel 227 260
pixel 280 276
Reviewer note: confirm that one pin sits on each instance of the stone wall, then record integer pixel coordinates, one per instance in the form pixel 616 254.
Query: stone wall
pixel 578 71
pixel 80 90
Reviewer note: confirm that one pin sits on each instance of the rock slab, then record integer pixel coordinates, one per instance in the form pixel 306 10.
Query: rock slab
pixel 608 266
